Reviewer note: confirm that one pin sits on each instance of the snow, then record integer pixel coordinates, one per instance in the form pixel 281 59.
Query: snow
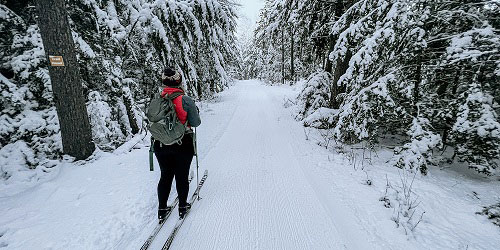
pixel 485 125
pixel 31 58
pixel 84 46
pixel 16 175
pixel 269 187
pixel 315 95
pixel 465 46
pixel 104 129
pixel 319 115
pixel 414 154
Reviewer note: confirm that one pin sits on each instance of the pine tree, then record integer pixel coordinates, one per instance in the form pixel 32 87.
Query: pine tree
pixel 68 97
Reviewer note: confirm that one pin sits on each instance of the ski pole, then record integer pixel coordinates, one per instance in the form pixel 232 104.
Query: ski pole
pixel 151 151
pixel 196 154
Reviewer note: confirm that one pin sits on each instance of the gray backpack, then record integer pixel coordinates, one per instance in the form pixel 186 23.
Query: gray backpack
pixel 164 124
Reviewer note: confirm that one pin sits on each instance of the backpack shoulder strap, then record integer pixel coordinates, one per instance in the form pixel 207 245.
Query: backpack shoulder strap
pixel 174 95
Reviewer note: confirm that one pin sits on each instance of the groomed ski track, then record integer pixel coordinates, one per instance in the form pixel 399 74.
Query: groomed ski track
pixel 259 194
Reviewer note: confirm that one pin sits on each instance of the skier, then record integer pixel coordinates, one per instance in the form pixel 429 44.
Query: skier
pixel 175 160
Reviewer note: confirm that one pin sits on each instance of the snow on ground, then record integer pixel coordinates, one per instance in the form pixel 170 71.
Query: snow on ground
pixel 268 188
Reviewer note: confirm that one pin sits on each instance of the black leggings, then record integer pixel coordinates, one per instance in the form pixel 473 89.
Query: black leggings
pixel 175 161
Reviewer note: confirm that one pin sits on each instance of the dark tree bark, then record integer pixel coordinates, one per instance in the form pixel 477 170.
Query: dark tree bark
pixel 340 69
pixel 127 100
pixel 449 121
pixel 342 64
pixel 282 55
pixel 331 45
pixel 66 82
pixel 416 92
pixel 339 10
pixel 292 45
pixel 199 89
pixel 301 48
pixel 212 86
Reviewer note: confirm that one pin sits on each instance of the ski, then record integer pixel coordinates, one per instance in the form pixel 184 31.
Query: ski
pixel 181 220
pixel 158 227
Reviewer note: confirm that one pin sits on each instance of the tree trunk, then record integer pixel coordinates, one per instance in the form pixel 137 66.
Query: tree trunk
pixel 449 120
pixel 323 59
pixel 212 86
pixel 339 10
pixel 199 89
pixel 292 66
pixel 301 48
pixel 127 100
pixel 416 92
pixel 66 82
pixel 282 55
pixel 331 46
pixel 340 69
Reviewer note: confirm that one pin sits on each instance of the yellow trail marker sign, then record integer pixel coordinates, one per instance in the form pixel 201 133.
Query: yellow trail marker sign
pixel 56 61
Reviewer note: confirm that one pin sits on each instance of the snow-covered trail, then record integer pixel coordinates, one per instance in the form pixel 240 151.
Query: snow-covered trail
pixel 257 195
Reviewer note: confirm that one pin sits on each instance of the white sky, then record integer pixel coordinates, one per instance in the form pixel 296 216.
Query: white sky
pixel 251 8
pixel 249 14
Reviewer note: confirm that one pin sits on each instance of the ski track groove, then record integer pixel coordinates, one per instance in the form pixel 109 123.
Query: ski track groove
pixel 203 153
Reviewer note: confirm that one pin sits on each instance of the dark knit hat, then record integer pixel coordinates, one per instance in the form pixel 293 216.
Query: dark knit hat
pixel 171 77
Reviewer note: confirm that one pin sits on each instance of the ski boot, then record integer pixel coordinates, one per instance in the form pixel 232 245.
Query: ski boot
pixel 162 213
pixel 183 210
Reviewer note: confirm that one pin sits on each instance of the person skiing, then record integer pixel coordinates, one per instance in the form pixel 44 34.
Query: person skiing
pixel 175 160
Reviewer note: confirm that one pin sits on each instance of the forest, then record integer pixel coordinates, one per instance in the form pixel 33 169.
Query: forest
pixel 409 87
pixel 122 47
pixel 425 72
